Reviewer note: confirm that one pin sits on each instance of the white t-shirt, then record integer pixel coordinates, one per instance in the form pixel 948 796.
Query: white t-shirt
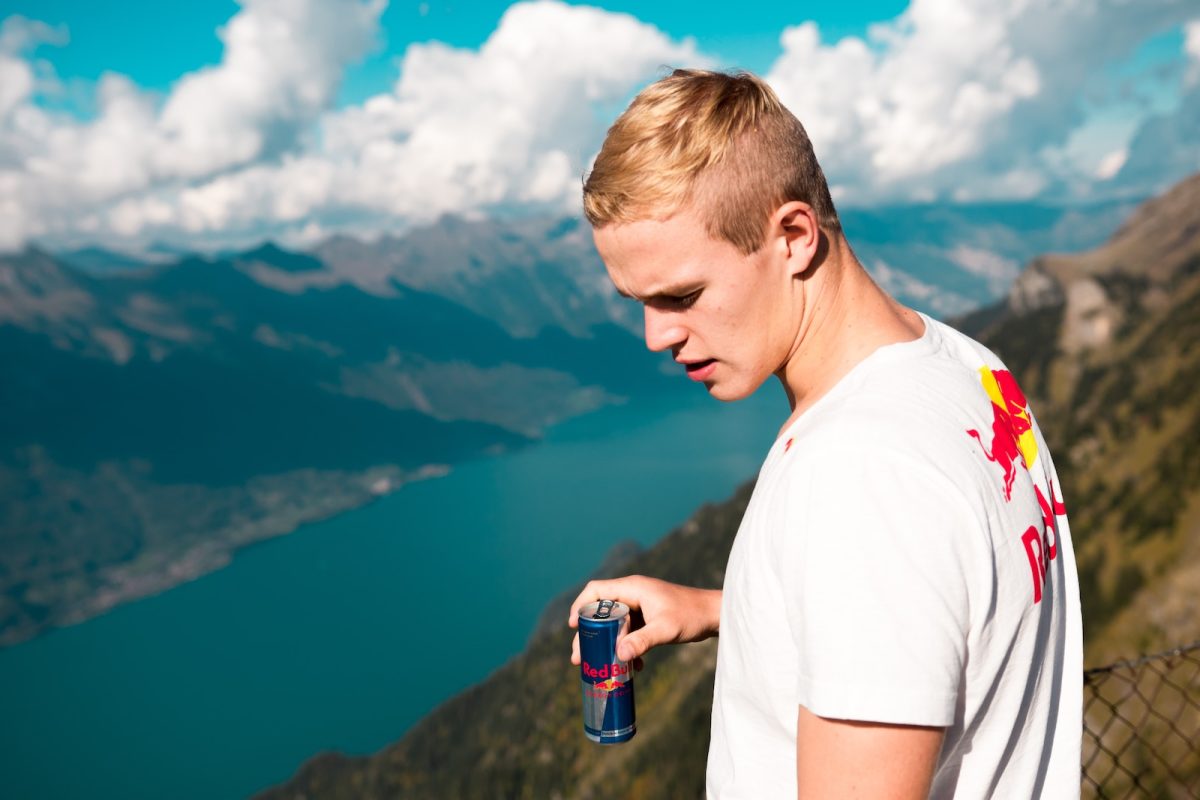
pixel 905 558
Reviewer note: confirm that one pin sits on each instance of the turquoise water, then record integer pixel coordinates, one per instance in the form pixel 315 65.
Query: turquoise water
pixel 344 633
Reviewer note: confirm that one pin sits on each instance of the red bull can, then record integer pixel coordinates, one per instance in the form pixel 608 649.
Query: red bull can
pixel 608 714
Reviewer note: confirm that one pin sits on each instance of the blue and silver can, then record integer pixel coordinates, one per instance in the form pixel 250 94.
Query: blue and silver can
pixel 608 715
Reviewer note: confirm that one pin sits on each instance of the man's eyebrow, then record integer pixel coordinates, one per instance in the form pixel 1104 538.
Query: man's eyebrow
pixel 665 293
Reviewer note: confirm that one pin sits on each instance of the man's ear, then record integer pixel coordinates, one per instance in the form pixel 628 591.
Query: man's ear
pixel 799 236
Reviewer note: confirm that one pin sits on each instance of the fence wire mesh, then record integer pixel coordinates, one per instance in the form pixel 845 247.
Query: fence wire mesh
pixel 1141 727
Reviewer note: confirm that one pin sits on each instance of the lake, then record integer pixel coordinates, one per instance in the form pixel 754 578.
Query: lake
pixel 343 634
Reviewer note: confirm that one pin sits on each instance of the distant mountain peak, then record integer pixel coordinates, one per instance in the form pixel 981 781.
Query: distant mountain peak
pixel 1137 268
pixel 1163 213
pixel 527 275
pixel 289 261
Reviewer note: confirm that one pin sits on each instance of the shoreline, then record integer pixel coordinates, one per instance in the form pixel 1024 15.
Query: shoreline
pixel 283 511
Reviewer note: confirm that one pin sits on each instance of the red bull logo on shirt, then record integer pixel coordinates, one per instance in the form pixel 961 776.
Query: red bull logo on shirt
pixel 1042 548
pixel 1013 439
pixel 1012 427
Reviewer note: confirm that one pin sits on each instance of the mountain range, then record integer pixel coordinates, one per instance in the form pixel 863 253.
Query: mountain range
pixel 163 411
pixel 161 416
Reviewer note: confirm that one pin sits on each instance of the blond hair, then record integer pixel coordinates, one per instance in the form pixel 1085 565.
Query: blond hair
pixel 721 140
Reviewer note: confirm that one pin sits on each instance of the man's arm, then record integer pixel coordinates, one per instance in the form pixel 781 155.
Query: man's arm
pixel 672 613
pixel 849 759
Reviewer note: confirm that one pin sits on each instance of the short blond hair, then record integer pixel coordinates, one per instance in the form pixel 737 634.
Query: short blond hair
pixel 721 140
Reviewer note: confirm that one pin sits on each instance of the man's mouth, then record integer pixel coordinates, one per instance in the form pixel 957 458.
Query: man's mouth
pixel 699 370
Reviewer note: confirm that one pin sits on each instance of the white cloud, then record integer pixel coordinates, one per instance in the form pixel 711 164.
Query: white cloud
pixel 252 146
pixel 942 302
pixel 17 77
pixel 1111 164
pixel 282 64
pixel 1165 149
pixel 955 99
pixel 133 163
pixel 963 99
pixel 1166 145
pixel 514 122
pixel 984 263
pixel 1191 47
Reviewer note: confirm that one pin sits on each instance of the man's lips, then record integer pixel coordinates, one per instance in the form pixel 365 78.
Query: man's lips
pixel 699 370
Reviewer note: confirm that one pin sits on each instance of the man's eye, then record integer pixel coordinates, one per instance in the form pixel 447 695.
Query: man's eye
pixel 668 302
pixel 684 301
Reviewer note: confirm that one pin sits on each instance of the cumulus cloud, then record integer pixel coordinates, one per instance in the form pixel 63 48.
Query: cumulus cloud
pixel 959 99
pixel 512 123
pixel 252 144
pixel 954 99
pixel 282 63
pixel 1111 164
pixel 17 78
pixel 1166 146
pixel 467 131
pixel 1191 46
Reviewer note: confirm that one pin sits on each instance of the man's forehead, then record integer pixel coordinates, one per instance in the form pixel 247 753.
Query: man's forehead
pixel 621 239
pixel 646 260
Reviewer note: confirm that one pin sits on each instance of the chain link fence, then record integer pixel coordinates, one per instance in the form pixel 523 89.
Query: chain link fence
pixel 1141 727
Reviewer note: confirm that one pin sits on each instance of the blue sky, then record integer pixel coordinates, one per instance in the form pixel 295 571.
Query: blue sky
pixel 154 42
pixel 209 123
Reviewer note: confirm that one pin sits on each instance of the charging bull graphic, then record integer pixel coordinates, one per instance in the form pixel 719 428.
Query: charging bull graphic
pixel 1012 428
pixel 1012 439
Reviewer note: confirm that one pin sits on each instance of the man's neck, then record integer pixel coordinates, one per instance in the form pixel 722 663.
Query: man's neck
pixel 845 318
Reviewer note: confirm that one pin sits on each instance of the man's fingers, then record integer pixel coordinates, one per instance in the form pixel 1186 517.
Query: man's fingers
pixel 634 645
pixel 615 589
pixel 590 593
pixel 575 650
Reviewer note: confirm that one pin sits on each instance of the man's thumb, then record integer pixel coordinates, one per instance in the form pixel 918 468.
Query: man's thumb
pixel 636 644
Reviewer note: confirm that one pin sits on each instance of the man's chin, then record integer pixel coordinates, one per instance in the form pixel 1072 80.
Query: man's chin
pixel 727 392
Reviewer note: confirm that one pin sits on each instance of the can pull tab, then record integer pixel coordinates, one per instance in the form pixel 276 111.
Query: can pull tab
pixel 604 610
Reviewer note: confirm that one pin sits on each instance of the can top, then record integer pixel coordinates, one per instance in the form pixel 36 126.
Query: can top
pixel 603 611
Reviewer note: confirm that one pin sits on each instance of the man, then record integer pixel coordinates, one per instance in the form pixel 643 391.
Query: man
pixel 900 612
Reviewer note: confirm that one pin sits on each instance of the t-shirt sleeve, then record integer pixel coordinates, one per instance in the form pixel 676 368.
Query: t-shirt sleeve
pixel 877 550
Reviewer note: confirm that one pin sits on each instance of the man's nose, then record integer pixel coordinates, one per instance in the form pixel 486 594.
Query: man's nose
pixel 663 330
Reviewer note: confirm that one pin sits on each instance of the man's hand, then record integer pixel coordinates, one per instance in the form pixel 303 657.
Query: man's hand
pixel 845 760
pixel 663 613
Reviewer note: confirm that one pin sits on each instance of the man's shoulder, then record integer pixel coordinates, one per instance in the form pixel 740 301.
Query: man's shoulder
pixel 907 403
pixel 907 410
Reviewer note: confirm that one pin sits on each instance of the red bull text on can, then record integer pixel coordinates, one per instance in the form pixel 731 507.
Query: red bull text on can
pixel 608 715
